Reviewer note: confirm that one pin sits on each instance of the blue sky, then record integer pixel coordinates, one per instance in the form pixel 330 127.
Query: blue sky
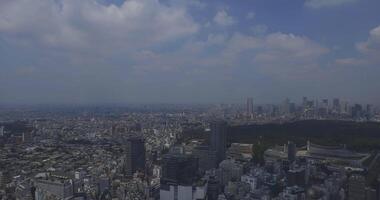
pixel 182 51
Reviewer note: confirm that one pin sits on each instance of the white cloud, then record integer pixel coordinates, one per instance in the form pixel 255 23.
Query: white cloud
pixel 88 24
pixel 222 18
pixel 251 15
pixel 369 51
pixel 277 54
pixel 371 47
pixel 95 34
pixel 326 3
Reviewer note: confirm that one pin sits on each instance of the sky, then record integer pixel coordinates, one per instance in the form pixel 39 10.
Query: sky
pixel 188 51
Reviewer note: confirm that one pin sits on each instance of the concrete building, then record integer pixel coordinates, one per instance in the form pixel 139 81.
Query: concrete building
pixel 218 140
pixel 229 170
pixel 356 187
pixel 292 151
pixel 207 158
pixel 135 156
pixel 1 131
pixel 53 187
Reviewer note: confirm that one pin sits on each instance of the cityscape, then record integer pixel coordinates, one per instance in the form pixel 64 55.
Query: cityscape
pixel 189 100
pixel 181 152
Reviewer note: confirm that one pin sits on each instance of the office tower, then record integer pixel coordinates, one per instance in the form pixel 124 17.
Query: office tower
pixel 286 106
pixel 357 111
pixel 135 155
pixel 250 106
pixel 345 107
pixel 336 105
pixel 179 169
pixel 310 104
pixel 179 175
pixel 323 109
pixel 1 131
pixel 206 157
pixel 304 102
pixel 292 150
pixel 260 110
pixel 356 187
pixel 218 140
pixel 325 102
pixel 369 112
pixel 292 108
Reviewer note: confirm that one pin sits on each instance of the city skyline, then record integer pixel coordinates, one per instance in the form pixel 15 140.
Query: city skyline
pixel 165 51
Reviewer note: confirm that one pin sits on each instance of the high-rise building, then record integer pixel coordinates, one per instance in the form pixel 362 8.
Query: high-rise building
pixel 135 156
pixel 206 157
pixel 325 104
pixel 292 150
pixel 369 112
pixel 357 111
pixel 304 102
pixel 356 187
pixel 292 108
pixel 179 175
pixel 1 131
pixel 179 169
pixel 218 140
pixel 249 106
pixel 286 106
pixel 336 105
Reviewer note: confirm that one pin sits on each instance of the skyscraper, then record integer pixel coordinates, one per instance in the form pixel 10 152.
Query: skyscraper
pixel 179 173
pixel 218 140
pixel 207 159
pixel 249 106
pixel 325 104
pixel 292 151
pixel 135 155
pixel 304 102
pixel 286 106
pixel 336 105
pixel 179 169
pixel 357 111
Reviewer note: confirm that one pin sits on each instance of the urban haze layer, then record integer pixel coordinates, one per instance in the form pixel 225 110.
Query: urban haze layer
pixel 163 151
